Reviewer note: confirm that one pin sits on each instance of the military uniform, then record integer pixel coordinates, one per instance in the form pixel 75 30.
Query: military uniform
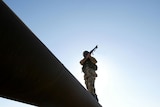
pixel 89 68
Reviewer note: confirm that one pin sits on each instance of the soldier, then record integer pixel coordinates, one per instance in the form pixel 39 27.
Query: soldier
pixel 89 68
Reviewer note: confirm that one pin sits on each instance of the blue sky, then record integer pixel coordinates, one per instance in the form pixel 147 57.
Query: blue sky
pixel 126 31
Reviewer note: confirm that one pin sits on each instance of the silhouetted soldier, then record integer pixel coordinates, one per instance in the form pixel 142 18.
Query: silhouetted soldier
pixel 89 68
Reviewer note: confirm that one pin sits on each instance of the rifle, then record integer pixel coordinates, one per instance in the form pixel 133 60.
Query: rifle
pixel 93 49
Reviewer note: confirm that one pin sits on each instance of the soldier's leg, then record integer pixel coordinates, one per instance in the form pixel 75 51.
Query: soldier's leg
pixel 86 82
pixel 91 88
pixel 91 82
pixel 86 77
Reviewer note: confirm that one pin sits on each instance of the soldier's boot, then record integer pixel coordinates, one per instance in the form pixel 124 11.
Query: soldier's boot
pixel 95 96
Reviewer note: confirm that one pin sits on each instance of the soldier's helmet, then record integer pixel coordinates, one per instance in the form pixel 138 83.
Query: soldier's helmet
pixel 85 53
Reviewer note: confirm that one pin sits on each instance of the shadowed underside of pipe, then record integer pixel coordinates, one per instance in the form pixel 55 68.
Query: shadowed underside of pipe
pixel 30 73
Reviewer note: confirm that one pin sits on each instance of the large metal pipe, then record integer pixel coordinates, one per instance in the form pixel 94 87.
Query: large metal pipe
pixel 30 73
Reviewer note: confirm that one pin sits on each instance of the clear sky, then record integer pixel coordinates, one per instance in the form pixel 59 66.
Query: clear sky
pixel 126 31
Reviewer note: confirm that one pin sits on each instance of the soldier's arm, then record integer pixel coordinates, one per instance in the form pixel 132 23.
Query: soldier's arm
pixel 82 61
pixel 93 60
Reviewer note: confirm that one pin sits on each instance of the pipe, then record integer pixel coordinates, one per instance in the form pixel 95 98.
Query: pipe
pixel 30 73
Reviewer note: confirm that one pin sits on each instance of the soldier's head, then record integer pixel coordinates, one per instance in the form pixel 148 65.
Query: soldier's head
pixel 85 53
